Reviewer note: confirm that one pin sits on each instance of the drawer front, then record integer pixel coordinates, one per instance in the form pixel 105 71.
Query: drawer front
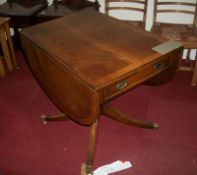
pixel 136 77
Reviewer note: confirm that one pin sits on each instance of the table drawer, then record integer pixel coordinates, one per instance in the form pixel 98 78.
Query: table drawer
pixel 136 77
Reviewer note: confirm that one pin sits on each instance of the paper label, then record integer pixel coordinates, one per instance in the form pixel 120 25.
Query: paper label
pixel 167 47
pixel 112 167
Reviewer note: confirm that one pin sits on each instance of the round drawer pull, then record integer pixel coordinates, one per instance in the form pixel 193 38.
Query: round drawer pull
pixel 121 85
pixel 158 66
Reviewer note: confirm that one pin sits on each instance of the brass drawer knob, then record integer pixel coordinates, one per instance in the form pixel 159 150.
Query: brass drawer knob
pixel 121 85
pixel 158 66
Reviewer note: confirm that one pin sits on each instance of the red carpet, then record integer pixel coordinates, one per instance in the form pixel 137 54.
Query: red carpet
pixel 27 147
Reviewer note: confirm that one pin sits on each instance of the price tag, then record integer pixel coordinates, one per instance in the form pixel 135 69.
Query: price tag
pixel 112 167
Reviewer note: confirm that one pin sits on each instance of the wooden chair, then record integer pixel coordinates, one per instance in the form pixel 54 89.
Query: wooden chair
pixel 175 28
pixel 60 8
pixel 128 10
pixel 21 12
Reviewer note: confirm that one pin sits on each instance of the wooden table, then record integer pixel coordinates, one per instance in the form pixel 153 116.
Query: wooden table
pixel 85 60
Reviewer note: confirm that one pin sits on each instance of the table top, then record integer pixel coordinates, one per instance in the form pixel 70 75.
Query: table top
pixel 86 59
pixel 93 46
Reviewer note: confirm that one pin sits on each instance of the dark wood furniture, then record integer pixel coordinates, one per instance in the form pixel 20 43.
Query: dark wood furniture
pixel 6 47
pixel 60 8
pixel 21 12
pixel 130 9
pixel 86 59
pixel 184 33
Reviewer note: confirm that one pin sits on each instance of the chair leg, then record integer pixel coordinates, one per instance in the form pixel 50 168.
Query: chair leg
pixel 7 29
pixel 5 50
pixel 194 77
pixel 191 68
pixel 2 71
pixel 187 60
